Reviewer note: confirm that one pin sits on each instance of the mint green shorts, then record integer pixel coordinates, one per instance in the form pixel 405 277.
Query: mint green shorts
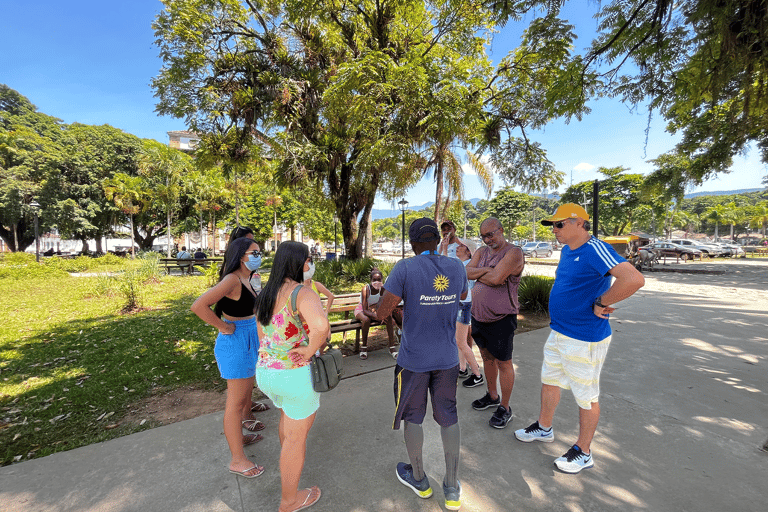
pixel 290 390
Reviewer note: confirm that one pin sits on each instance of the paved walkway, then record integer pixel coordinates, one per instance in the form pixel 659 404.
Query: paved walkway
pixel 684 413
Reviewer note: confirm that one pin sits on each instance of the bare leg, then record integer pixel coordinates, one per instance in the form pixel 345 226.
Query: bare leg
pixel 506 380
pixel 465 353
pixel 588 419
pixel 491 373
pixel 550 397
pixel 238 398
pixel 292 455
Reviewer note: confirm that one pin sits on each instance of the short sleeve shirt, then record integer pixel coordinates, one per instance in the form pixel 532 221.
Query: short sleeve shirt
pixel 430 286
pixel 581 277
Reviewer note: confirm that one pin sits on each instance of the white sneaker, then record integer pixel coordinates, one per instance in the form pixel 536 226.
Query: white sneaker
pixel 574 460
pixel 534 432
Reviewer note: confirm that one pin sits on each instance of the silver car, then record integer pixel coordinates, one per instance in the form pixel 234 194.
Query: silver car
pixel 536 249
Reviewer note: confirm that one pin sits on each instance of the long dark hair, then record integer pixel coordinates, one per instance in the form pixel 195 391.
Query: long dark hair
pixel 239 232
pixel 289 262
pixel 234 253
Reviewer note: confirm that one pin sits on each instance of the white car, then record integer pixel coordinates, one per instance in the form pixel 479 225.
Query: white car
pixel 709 250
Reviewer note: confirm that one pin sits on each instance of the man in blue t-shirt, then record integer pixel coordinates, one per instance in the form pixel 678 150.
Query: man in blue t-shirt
pixel 575 351
pixel 430 286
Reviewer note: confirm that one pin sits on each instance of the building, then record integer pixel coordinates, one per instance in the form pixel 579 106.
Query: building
pixel 183 140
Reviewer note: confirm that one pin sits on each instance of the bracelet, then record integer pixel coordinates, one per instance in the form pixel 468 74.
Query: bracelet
pixel 598 302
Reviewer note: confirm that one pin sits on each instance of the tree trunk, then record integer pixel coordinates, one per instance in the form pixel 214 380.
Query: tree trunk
pixel 202 240
pixel 168 237
pixel 369 238
pixel 133 251
pixel 213 228
pixel 16 235
pixel 438 188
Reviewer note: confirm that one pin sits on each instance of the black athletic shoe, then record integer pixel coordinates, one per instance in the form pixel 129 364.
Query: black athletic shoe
pixel 463 374
pixel 500 418
pixel 484 403
pixel 473 381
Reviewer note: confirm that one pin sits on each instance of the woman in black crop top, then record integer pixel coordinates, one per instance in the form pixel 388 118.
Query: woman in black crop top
pixel 236 347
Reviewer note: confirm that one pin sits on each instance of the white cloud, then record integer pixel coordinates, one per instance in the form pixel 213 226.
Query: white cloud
pixel 583 166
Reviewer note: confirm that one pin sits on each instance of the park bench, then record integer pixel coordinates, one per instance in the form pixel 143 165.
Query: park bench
pixel 173 263
pixel 344 303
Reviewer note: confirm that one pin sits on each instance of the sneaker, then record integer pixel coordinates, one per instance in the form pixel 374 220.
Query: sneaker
pixel 452 496
pixel 473 381
pixel 500 418
pixel 463 374
pixel 574 461
pixel 534 432
pixel 421 487
pixel 483 403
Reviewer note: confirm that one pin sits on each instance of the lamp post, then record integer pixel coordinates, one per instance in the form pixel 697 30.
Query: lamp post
pixel 36 210
pixel 403 205
pixel 335 251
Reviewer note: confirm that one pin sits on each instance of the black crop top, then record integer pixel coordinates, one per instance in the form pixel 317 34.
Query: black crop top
pixel 239 308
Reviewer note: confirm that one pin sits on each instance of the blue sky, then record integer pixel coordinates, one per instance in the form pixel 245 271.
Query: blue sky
pixel 92 61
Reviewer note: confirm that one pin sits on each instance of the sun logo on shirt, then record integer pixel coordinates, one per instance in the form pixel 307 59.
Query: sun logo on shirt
pixel 441 283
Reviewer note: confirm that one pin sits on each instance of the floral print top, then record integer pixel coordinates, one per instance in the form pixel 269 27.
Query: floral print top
pixel 281 335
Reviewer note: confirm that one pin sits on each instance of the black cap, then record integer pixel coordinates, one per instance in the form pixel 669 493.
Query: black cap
pixel 423 230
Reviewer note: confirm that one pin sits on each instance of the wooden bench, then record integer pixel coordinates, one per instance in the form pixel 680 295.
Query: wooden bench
pixel 173 263
pixel 344 303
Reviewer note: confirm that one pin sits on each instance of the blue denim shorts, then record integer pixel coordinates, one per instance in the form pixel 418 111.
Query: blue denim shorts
pixel 236 353
pixel 289 390
pixel 465 309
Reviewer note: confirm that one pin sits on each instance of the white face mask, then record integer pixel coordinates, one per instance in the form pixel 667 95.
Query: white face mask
pixel 309 273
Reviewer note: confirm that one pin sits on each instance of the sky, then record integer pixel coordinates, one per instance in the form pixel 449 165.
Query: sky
pixel 91 62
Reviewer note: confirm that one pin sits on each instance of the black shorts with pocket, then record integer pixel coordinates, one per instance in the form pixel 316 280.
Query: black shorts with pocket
pixel 411 396
pixel 496 337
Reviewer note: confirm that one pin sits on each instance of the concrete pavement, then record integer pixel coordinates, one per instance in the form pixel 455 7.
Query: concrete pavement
pixel 684 413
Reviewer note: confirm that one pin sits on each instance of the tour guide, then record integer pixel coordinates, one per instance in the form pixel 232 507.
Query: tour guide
pixel 430 286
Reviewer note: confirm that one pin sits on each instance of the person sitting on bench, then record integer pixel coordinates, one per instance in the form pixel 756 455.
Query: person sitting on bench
pixel 370 297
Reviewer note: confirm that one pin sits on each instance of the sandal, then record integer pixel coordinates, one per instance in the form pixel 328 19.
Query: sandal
pixel 364 352
pixel 313 496
pixel 253 425
pixel 248 473
pixel 259 407
pixel 393 352
pixel 250 439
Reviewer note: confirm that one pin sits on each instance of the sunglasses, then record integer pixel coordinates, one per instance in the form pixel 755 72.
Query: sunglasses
pixel 255 253
pixel 559 224
pixel 489 235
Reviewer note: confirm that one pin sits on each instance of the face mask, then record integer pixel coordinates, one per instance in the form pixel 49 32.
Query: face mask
pixel 376 285
pixel 309 273
pixel 253 262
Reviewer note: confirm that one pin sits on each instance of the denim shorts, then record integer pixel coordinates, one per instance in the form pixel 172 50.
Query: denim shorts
pixel 236 353
pixel 465 309
pixel 289 390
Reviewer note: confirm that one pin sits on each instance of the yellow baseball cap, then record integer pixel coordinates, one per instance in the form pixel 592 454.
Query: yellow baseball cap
pixel 566 211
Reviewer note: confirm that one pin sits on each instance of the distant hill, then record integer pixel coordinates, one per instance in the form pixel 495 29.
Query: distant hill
pixel 387 214
pixel 722 192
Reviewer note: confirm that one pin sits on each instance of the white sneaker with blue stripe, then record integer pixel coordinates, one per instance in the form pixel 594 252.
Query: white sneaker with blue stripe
pixel 574 460
pixel 534 432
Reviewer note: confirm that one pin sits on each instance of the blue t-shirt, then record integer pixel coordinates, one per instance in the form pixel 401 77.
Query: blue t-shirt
pixel 581 277
pixel 430 286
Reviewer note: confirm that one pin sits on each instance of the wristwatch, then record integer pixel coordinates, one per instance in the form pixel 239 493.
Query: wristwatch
pixel 598 302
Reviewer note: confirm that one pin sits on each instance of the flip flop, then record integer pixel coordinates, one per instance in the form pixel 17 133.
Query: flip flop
pixel 364 352
pixel 253 425
pixel 250 439
pixel 307 503
pixel 259 407
pixel 246 472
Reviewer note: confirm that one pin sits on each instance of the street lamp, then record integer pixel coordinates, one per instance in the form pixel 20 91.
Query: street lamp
pixel 403 205
pixel 36 210
pixel 335 251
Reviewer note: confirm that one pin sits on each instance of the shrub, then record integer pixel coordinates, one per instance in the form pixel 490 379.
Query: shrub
pixel 533 293
pixel 21 265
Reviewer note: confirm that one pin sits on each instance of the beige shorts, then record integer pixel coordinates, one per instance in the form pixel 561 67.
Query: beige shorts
pixel 575 365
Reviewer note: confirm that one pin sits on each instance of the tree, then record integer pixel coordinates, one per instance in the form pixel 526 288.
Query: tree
pixel 718 214
pixel 164 167
pixel 128 194
pixel 509 207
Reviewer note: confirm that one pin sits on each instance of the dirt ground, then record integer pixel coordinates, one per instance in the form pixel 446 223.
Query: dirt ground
pixel 185 403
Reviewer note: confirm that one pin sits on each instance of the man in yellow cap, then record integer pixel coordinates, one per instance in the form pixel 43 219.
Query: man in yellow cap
pixel 579 304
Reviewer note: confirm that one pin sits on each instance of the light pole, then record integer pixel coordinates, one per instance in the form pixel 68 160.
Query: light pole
pixel 403 205
pixel 36 210
pixel 335 251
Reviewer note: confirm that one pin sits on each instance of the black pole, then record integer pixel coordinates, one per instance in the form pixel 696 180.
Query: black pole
pixel 335 251
pixel 595 189
pixel 37 239
pixel 403 233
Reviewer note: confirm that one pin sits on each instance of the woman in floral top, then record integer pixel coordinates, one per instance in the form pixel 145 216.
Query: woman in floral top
pixel 282 370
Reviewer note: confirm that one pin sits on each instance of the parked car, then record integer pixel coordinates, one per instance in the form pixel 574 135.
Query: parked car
pixel 536 249
pixel 733 249
pixel 671 249
pixel 710 250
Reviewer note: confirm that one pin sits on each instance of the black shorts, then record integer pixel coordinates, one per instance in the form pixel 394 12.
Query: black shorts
pixel 496 337
pixel 411 396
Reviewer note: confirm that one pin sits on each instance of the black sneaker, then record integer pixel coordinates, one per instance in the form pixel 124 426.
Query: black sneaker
pixel 500 418
pixel 483 403
pixel 473 381
pixel 463 374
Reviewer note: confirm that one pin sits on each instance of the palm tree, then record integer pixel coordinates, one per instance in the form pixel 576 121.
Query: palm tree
pixel 165 166
pixel 128 194
pixel 717 213
pixel 759 215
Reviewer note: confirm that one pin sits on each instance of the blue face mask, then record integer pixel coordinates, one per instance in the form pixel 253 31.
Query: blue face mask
pixel 253 263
